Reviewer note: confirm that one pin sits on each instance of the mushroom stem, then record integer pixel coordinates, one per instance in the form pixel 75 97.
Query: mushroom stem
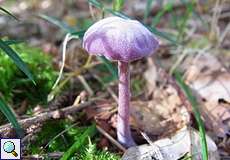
pixel 123 129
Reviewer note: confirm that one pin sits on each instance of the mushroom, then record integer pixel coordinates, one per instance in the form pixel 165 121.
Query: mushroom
pixel 124 41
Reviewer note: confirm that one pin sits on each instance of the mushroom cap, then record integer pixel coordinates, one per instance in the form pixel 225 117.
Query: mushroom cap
pixel 119 39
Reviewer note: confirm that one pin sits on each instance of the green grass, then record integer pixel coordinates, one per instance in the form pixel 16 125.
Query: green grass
pixel 11 118
pixel 196 112
pixel 54 142
pixel 137 85
pixel 80 142
pixel 16 59
pixel 166 8
pixel 147 9
pixel 7 50
pixel 118 5
pixel 72 142
pixel 70 139
pixel 8 13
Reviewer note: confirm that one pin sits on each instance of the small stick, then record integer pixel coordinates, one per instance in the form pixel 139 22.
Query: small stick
pixel 50 155
pixel 25 123
pixel 108 88
pixel 110 138
pixel 86 85
pixel 59 134
pixel 156 149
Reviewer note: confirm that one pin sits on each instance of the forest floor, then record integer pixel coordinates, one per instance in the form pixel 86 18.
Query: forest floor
pixel 84 104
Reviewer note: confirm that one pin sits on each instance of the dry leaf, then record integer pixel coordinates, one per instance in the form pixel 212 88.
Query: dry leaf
pixel 183 142
pixel 210 81
pixel 151 78
pixel 163 115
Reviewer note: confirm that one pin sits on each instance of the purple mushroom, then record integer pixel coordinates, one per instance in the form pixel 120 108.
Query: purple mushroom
pixel 124 41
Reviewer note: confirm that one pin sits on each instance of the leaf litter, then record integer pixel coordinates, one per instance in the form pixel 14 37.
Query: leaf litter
pixel 162 113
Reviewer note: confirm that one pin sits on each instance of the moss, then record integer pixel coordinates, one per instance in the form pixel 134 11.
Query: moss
pixel 91 153
pixel 15 86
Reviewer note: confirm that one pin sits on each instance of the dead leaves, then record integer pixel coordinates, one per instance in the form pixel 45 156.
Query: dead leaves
pixel 173 148
pixel 158 119
pixel 210 82
pixel 165 112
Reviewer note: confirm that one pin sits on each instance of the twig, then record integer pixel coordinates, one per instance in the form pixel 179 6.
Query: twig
pixel 178 62
pixel 86 85
pixel 111 92
pixel 92 12
pixel 55 155
pixel 224 34
pixel 215 17
pixel 59 134
pixel 107 87
pixel 40 118
pixel 104 133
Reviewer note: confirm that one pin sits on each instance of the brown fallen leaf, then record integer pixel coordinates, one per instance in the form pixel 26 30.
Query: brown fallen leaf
pixel 165 113
pixel 158 118
pixel 151 78
pixel 210 82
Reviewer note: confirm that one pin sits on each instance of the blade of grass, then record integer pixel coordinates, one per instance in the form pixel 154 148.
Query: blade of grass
pixel 80 34
pixel 118 5
pixel 185 18
pixel 11 42
pixel 101 6
pixel 63 26
pixel 58 23
pixel 196 112
pixel 89 132
pixel 7 12
pixel 96 3
pixel 164 35
pixel 174 19
pixel 190 5
pixel 120 14
pixel 167 8
pixel 117 13
pixel 147 9
pixel 11 118
pixel 17 60
pixel 109 66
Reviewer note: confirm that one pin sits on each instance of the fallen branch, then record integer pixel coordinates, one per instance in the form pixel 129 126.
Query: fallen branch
pixel 110 138
pixel 7 130
pixel 55 155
